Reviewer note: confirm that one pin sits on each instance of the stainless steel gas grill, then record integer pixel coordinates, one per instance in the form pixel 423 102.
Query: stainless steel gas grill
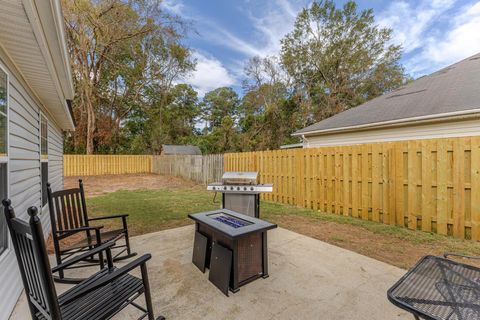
pixel 241 192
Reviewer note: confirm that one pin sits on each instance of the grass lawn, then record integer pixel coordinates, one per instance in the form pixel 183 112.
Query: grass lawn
pixel 154 210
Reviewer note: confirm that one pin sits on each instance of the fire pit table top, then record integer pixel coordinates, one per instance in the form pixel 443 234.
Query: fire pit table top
pixel 232 224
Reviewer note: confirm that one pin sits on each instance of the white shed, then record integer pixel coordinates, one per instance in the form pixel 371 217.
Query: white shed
pixel 443 104
pixel 35 87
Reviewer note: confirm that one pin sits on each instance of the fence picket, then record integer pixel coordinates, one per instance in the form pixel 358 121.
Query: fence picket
pixel 475 187
pixel 427 200
pixel 376 177
pixel 458 188
pixel 411 185
pixel 441 188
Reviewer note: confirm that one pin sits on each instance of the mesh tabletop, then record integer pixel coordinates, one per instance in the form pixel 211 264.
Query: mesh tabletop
pixel 437 288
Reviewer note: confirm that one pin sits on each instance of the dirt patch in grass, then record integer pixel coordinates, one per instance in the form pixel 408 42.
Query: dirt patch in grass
pixel 98 185
pixel 388 248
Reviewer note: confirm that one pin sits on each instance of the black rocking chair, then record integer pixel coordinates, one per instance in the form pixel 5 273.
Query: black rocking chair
pixel 439 288
pixel 69 217
pixel 101 296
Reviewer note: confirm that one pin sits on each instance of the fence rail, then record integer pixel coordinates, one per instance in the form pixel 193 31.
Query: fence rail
pixel 203 169
pixel 432 185
pixel 90 165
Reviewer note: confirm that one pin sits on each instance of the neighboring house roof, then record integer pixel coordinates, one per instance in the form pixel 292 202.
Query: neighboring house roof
pixel 454 90
pixel 180 149
pixel 33 37
pixel 292 146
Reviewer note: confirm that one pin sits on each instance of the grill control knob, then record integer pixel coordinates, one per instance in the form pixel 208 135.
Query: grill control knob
pixel 245 188
pixel 231 188
pixel 213 188
pixel 224 188
pixel 252 188
pixel 238 188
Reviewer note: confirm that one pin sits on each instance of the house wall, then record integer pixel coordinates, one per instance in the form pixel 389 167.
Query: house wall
pixel 24 171
pixel 459 128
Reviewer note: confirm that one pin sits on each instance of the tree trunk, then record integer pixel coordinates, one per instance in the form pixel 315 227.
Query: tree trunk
pixel 91 124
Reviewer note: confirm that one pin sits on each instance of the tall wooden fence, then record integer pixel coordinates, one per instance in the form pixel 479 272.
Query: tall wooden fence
pixel 203 169
pixel 90 165
pixel 432 185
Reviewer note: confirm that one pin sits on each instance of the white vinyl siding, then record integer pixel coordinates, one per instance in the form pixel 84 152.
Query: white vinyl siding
pixel 55 166
pixel 4 240
pixel 460 128
pixel 55 157
pixel 24 176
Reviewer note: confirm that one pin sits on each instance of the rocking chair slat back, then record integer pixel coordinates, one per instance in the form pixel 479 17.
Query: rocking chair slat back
pixel 69 209
pixel 29 245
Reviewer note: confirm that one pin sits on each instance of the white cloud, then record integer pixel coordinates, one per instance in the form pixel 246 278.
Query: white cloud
pixel 173 6
pixel 271 20
pixel 220 36
pixel 433 34
pixel 209 74
pixel 411 22
pixel 459 39
pixel 462 40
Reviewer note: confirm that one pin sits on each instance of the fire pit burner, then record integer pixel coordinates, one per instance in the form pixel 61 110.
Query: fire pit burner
pixel 229 220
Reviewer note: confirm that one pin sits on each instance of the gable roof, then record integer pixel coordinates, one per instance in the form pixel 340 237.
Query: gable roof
pixel 180 149
pixel 449 91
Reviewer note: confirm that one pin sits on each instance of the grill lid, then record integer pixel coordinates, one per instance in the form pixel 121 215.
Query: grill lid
pixel 238 177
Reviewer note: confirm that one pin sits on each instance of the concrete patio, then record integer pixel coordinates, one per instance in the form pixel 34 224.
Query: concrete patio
pixel 309 279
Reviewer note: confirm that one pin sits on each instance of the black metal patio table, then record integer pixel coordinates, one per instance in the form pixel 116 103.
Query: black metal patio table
pixel 439 288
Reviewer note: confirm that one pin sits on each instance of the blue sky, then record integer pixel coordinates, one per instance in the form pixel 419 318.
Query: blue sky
pixel 227 33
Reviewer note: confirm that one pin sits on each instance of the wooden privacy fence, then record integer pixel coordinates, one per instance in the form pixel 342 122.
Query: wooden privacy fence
pixel 432 185
pixel 203 169
pixel 90 165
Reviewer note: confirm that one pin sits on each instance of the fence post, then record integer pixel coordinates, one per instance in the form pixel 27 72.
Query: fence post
pixel 391 185
pixel 475 187
pixel 299 196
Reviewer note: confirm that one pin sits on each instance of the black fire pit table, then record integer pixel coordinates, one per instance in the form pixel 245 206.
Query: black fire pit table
pixel 232 245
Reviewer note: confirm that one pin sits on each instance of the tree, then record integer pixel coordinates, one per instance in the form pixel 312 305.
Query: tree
pixel 181 114
pixel 218 104
pixel 222 138
pixel 339 58
pixel 120 52
pixel 267 113
pixel 171 121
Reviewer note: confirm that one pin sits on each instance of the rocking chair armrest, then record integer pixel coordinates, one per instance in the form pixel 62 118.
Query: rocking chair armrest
pixel 104 247
pixel 109 278
pixel 69 232
pixel 447 254
pixel 92 228
pixel 123 215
